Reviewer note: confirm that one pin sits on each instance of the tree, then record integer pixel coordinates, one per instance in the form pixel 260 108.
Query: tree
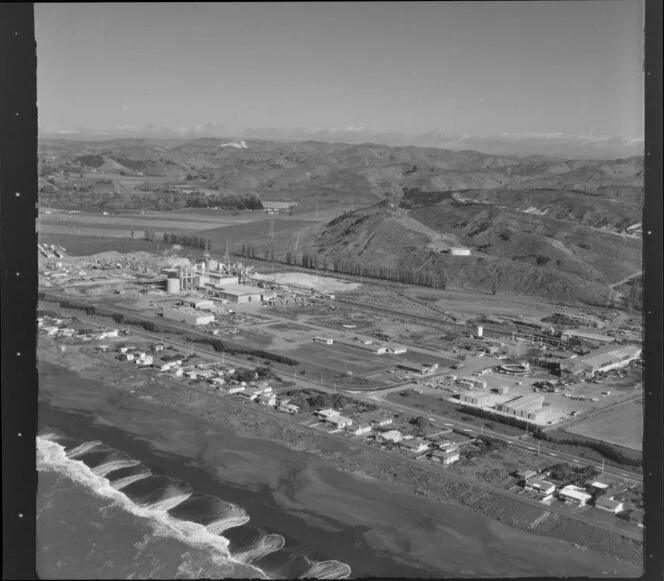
pixel 420 421
pixel 338 401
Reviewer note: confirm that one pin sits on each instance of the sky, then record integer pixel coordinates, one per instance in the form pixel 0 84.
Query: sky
pixel 478 68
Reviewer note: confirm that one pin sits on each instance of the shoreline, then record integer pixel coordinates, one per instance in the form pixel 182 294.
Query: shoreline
pixel 357 463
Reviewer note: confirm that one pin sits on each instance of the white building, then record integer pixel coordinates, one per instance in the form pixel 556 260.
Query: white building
pixel 327 414
pixel 416 446
pixel 574 495
pixel 361 429
pixel 392 436
pixel 609 504
pixel 50 331
pixel 188 315
pixel 290 408
pixel 240 293
pixel 147 360
pixel 340 421
pixel 446 457
pixel 109 334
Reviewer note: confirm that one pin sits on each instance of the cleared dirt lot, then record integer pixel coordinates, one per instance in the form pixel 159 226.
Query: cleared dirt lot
pixel 621 425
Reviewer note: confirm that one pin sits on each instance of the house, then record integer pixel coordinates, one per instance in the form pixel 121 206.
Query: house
pixel 163 365
pixel 251 392
pixel 147 360
pixel 103 348
pixel 289 408
pixel 177 371
pixel 574 495
pixel 50 330
pixel 109 334
pixel 392 436
pixel 447 446
pixel 267 399
pixel 525 475
pixel 416 446
pixel 445 457
pixel 140 354
pixel 361 429
pixel 191 374
pixel 340 421
pixel 231 389
pixel 379 419
pixel 127 357
pixel 218 381
pixel 326 340
pixel 158 347
pixel 327 414
pixel 540 486
pixel 599 487
pixel 609 504
pixel 126 348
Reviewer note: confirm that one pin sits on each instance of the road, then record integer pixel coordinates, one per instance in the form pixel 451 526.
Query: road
pixel 438 471
pixel 368 398
pixel 624 280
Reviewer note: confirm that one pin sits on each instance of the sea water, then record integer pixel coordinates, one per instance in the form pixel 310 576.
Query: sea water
pixel 96 520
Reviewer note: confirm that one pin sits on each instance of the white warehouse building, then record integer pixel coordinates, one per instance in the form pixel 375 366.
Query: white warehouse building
pixel 188 315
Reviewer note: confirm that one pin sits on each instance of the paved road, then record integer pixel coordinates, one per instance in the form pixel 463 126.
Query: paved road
pixel 189 346
pixel 635 535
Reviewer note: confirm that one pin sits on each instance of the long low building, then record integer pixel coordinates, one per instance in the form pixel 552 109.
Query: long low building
pixel 586 336
pixel 187 315
pixel 601 360
pixel 523 404
pixel 240 293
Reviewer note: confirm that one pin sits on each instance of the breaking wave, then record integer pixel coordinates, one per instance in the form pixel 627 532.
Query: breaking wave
pixel 327 570
pixel 172 510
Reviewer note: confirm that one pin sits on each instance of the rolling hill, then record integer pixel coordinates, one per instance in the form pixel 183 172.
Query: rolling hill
pixel 536 225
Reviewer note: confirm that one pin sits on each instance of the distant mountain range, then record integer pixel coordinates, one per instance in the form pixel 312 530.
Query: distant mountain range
pixel 519 144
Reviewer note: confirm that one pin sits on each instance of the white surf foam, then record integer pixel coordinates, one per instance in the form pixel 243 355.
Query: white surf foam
pixel 51 456
pixel 236 517
pixel 83 449
pixel 170 501
pixel 327 570
pixel 266 545
pixel 108 467
pixel 121 483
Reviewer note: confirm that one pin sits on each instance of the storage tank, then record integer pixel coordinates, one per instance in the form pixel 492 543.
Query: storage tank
pixel 172 286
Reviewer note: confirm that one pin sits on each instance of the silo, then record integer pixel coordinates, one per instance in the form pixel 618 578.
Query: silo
pixel 172 286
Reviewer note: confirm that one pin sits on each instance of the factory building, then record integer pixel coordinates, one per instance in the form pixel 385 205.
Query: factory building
pixel 326 340
pixel 187 315
pixel 586 336
pixel 420 369
pixel 198 304
pixel 601 360
pixel 522 406
pixel 240 293
pixel 479 399
pixel 470 383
